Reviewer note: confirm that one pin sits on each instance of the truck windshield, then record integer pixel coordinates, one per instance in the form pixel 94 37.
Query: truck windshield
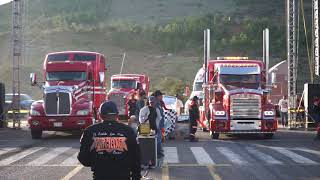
pixel 123 84
pixel 66 76
pixel 197 86
pixel 235 81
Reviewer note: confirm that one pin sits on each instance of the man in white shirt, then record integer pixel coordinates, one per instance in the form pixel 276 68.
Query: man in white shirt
pixel 178 105
pixel 283 107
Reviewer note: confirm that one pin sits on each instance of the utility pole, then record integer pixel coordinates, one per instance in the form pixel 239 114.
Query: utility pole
pixel 315 42
pixel 292 59
pixel 17 49
pixel 266 51
pixel 122 64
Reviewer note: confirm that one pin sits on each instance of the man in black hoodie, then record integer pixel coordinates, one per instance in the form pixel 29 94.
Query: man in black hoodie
pixel 194 116
pixel 110 148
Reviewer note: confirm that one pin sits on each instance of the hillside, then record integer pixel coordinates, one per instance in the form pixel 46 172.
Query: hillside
pixel 147 31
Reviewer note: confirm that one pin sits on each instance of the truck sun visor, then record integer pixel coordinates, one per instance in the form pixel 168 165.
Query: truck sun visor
pixel 238 70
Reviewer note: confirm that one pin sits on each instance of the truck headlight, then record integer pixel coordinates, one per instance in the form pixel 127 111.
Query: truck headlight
pixel 268 113
pixel 219 113
pixel 34 112
pixel 83 112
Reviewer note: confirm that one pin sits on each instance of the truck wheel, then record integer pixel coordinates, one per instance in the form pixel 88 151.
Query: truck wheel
pixel 214 135
pixel 36 134
pixel 268 136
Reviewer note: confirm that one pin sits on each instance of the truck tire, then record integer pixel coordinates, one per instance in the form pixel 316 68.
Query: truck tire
pixel 36 134
pixel 268 135
pixel 214 135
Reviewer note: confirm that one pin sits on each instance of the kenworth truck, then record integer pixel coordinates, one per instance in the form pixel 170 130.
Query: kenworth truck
pixel 236 98
pixel 123 86
pixel 73 89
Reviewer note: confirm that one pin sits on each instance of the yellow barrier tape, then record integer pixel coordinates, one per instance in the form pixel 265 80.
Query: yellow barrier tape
pixel 21 111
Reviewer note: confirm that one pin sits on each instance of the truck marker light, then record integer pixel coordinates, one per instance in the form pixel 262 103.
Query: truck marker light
pixel 233 58
pixel 35 123
pixel 268 113
pixel 219 113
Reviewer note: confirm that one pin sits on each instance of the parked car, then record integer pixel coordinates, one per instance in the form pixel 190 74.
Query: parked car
pixel 170 102
pixel 25 104
pixel 25 101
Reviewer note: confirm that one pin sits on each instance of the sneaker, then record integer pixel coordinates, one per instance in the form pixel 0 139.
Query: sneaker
pixel 194 140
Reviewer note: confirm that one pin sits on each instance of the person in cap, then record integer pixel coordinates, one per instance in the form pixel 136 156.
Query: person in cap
pixel 160 124
pixel 149 114
pixel 194 116
pixel 110 148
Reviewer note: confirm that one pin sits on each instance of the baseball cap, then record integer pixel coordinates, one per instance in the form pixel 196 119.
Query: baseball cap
pixel 108 108
pixel 158 93
pixel 195 98
pixel 152 99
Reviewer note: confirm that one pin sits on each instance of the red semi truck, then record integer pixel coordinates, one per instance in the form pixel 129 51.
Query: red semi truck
pixel 236 98
pixel 123 86
pixel 73 89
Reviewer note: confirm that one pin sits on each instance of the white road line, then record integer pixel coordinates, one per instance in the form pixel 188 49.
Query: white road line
pixel 231 156
pixel 171 155
pixel 72 160
pixel 307 150
pixel 262 156
pixel 294 156
pixel 201 156
pixel 49 156
pixel 6 150
pixel 72 173
pixel 19 156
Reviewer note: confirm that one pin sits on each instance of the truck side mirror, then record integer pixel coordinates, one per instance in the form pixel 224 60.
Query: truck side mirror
pixel 101 77
pixel 33 79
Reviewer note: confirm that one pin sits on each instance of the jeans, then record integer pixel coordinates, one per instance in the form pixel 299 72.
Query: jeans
pixel 160 152
pixel 284 118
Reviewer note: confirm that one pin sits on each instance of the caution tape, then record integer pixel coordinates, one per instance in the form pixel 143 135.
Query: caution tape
pixel 296 110
pixel 22 111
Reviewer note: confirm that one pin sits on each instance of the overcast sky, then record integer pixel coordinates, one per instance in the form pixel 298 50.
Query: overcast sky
pixel 4 1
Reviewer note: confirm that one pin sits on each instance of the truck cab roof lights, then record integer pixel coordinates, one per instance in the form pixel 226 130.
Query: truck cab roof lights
pixel 239 65
pixel 232 58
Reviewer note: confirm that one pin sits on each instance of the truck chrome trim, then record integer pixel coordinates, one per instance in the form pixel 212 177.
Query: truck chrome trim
pixel 57 90
pixel 245 106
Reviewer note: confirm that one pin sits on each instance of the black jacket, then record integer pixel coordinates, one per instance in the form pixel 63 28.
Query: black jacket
pixel 111 150
pixel 194 114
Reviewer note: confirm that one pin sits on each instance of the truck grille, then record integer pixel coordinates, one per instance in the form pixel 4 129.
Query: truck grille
pixel 57 103
pixel 245 106
pixel 119 101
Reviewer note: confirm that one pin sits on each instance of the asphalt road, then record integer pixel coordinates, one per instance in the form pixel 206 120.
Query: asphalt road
pixel 289 155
